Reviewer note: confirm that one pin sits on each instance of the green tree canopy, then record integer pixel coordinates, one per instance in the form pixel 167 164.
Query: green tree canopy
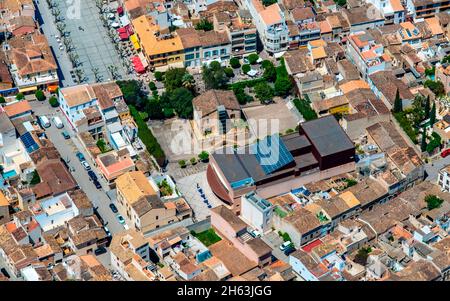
pixel 433 201
pixel 214 76
pixel 234 62
pixel 205 25
pixel 180 100
pixel 173 78
pixel 263 91
pixel 398 107
pixel 246 68
pixel 39 95
pixel 253 58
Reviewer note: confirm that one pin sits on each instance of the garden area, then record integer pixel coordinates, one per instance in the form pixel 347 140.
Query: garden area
pixel 208 237
pixel 417 121
pixel 304 107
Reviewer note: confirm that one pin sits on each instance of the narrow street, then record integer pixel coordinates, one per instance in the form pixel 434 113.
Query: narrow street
pixel 68 149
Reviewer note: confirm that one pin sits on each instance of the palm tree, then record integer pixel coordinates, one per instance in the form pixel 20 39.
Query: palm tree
pixel 61 27
pixel 188 81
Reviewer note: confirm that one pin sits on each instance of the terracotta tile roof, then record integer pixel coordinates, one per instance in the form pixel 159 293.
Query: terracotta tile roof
pixel 302 13
pixel 236 262
pixel 31 54
pixel 189 37
pixel 78 95
pixel 17 108
pixel 211 99
pixel 105 93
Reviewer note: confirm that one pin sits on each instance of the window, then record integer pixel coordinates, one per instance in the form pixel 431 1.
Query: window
pixel 207 54
pixel 156 217
pixel 215 52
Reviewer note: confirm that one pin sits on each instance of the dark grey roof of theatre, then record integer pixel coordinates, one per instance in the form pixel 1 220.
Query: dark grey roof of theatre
pixel 305 160
pixel 326 135
pixel 295 141
pixel 230 165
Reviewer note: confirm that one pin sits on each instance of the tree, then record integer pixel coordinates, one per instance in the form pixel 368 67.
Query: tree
pixel 433 201
pixel 229 72
pixel 132 93
pixel 268 2
pixel 253 58
pixel 437 87
pixel 246 68
pixel 362 255
pixel 282 86
pixel 152 86
pixel 214 76
pixel 341 3
pixel 188 81
pixel 205 25
pixel 433 115
pixel 398 107
pixel 101 144
pixel 2 99
pixel 35 179
pixel 270 73
pixel 203 156
pixel 234 63
pixel 427 108
pixel 20 96
pixel 39 95
pixel 53 101
pixel 159 76
pixel 174 78
pixel 423 144
pixel 179 100
pixel 263 92
pixel 182 163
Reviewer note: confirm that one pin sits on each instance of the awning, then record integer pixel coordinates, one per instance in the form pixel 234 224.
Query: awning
pixel 137 64
pixel 52 88
pixel 120 10
pixel 28 89
pixel 134 39
pixel 125 32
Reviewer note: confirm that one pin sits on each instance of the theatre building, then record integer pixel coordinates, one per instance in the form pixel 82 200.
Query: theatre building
pixel 276 165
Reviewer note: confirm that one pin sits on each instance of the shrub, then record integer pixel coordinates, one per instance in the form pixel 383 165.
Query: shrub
pixel 147 137
pixel 234 62
pixel 53 101
pixel 433 201
pixel 203 156
pixel 39 95
pixel 159 76
pixel 36 179
pixel 182 163
pixel 305 109
pixel 20 96
pixel 229 72
pixel 246 68
pixel 2 99
pixel 193 161
pixel 252 58
pixel 152 86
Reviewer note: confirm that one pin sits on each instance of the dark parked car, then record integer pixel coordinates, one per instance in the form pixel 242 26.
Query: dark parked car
pixel 5 273
pixel 113 208
pixel 289 251
pixel 92 175
pixel 97 184
pixel 100 250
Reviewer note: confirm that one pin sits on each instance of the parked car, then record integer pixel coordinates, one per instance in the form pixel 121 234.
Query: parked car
pixel 86 165
pixel 92 175
pixel 120 219
pixel 290 249
pixel 97 184
pixel 100 250
pixel 108 233
pixel 65 135
pixel 113 208
pixel 43 120
pixel 58 123
pixel 255 233
pixel 285 245
pixel 445 153
pixel 80 156
pixel 5 273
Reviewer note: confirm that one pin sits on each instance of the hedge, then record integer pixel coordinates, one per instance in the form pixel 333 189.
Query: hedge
pixel 147 137
pixel 406 125
pixel 305 109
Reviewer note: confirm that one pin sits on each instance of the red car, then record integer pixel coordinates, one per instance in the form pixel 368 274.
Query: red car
pixel 445 153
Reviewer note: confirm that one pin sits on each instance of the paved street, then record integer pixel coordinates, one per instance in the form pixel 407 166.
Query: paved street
pixel 433 169
pixel 274 241
pixel 92 43
pixel 68 149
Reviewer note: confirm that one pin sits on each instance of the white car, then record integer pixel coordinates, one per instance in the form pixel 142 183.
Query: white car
pixel 285 245
pixel 86 165
pixel 255 233
pixel 58 123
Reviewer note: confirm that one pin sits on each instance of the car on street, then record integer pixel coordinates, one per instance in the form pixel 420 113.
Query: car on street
pixel 97 184
pixel 445 153
pixel 5 273
pixel 58 123
pixel 100 250
pixel 43 120
pixel 289 250
pixel 80 156
pixel 108 233
pixel 255 233
pixel 92 175
pixel 113 208
pixel 120 219
pixel 86 165
pixel 65 135
pixel 284 246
